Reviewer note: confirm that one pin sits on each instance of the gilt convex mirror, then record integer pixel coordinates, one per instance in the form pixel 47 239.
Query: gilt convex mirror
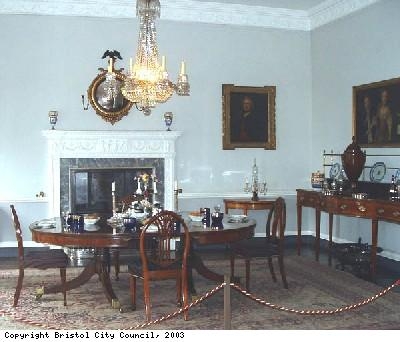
pixel 104 92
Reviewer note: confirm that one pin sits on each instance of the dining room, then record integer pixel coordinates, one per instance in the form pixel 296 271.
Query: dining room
pixel 293 62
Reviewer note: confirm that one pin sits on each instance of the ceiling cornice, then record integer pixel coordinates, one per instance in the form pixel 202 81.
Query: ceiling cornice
pixel 331 10
pixel 195 11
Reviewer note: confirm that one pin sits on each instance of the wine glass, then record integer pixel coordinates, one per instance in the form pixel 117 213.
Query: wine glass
pixel 168 116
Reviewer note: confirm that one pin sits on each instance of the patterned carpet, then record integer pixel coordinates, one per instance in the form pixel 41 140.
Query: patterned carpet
pixel 312 288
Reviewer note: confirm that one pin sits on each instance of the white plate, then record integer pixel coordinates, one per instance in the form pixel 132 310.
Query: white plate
pixel 91 227
pixel 91 220
pixel 377 172
pixel 397 176
pixel 237 218
pixel 47 224
pixel 196 218
pixel 335 170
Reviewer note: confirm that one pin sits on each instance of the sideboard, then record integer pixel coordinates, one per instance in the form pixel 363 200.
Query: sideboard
pixel 374 209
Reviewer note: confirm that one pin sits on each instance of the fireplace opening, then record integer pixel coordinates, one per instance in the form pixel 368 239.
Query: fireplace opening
pixel 86 183
pixel 91 189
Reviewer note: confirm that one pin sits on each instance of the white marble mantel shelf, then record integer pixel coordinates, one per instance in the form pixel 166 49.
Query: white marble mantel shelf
pixel 109 144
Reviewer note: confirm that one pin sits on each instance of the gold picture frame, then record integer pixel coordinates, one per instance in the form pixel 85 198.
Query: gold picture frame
pixel 248 116
pixel 376 113
pixel 110 110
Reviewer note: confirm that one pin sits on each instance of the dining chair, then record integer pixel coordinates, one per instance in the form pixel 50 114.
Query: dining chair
pixel 158 259
pixel 42 260
pixel 269 247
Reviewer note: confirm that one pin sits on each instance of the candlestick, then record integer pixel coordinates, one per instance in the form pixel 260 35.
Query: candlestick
pixel 176 193
pixel 175 185
pixel 183 68
pixel 114 207
pixel 138 190
pixel 154 186
pixel 163 63
pixel 113 186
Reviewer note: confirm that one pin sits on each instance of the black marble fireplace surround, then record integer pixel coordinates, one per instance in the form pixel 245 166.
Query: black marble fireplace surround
pixel 79 195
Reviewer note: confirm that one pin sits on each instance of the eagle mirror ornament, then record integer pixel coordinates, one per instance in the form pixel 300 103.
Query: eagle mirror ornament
pixel 104 92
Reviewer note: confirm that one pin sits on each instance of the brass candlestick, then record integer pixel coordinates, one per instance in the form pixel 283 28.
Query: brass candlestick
pixel 176 193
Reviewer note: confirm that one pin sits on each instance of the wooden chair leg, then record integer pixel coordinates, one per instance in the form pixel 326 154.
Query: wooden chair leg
pixel 19 286
pixel 271 269
pixel 63 275
pixel 179 290
pixel 185 296
pixel 282 270
pixel 147 304
pixel 132 285
pixel 247 263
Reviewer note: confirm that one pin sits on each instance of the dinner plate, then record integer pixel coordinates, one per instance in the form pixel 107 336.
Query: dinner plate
pixel 196 218
pixel 397 176
pixel 335 170
pixel 237 218
pixel 46 224
pixel 377 172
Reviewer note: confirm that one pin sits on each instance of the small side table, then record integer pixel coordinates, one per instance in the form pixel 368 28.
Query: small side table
pixel 247 204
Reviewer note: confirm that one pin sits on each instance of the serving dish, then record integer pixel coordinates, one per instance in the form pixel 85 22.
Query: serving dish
pixel 91 220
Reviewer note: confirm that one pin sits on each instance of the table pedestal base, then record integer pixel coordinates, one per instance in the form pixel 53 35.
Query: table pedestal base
pixel 98 265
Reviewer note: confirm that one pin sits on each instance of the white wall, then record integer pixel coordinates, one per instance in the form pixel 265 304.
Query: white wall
pixel 52 60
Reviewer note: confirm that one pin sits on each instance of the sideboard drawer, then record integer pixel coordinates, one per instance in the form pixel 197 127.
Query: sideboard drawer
pixel 350 207
pixel 309 198
pixel 388 212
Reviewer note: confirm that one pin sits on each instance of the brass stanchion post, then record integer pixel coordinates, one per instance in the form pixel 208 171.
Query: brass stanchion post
pixel 227 303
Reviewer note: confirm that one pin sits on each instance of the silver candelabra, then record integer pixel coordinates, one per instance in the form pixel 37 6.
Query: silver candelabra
pixel 255 187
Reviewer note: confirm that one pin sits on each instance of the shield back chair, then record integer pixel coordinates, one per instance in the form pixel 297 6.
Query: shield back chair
pixel 158 261
pixel 269 247
pixel 42 260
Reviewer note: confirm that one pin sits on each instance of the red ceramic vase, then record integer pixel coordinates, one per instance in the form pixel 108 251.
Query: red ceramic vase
pixel 353 160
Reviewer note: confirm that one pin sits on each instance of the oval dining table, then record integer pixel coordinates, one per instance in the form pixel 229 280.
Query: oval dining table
pixel 105 237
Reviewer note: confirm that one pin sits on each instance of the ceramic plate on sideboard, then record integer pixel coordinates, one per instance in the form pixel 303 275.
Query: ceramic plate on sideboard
pixel 378 172
pixel 397 175
pixel 335 170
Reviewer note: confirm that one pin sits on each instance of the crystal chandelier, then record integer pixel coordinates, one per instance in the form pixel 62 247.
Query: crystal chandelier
pixel 147 82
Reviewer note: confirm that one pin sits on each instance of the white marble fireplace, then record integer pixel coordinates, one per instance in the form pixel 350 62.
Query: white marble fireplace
pixel 110 145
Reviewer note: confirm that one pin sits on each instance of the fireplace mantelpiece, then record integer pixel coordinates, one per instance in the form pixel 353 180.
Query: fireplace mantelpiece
pixel 109 144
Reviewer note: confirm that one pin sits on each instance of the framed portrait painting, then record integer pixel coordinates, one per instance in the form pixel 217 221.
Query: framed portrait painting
pixel 248 116
pixel 376 114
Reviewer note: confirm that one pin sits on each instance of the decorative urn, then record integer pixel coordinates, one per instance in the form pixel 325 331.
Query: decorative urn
pixel 353 160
